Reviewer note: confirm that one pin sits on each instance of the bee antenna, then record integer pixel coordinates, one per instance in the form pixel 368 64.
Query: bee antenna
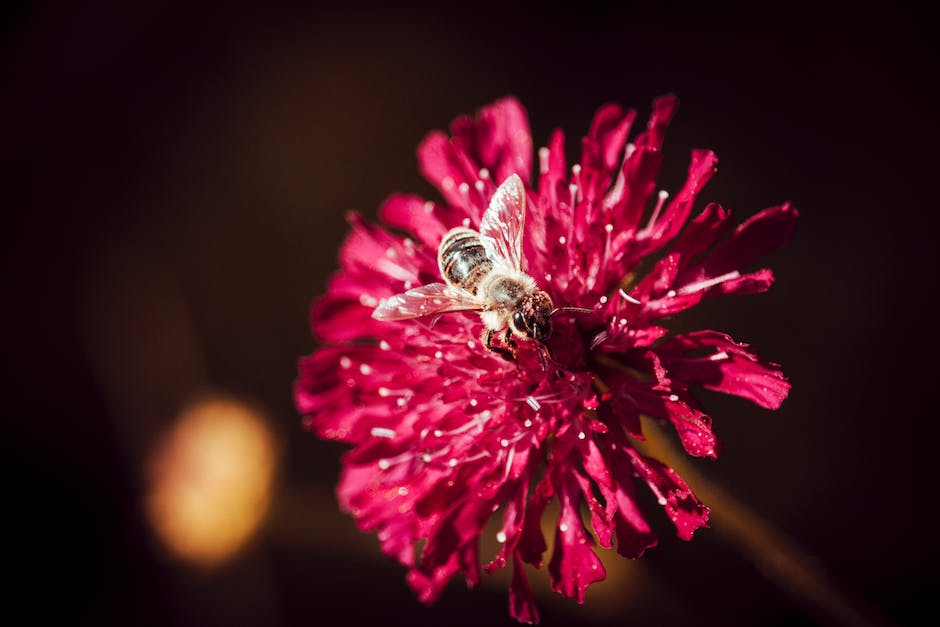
pixel 558 310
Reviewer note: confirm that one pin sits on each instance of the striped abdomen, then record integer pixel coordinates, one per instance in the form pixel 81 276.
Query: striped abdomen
pixel 462 259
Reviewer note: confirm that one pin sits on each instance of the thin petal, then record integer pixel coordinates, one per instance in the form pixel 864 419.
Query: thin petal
pixel 574 565
pixel 758 236
pixel 726 366
pixel 521 602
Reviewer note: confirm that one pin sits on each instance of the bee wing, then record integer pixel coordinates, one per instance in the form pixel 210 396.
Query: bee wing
pixel 502 224
pixel 432 298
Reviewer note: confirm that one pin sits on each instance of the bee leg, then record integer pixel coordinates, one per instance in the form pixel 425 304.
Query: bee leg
pixel 508 354
pixel 546 357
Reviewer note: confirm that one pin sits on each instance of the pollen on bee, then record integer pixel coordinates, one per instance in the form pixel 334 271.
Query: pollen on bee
pixel 466 222
pixel 345 362
pixel 365 369
pixel 384 345
pixel 562 239
pixel 673 397
pixel 484 174
pixel 464 189
pixel 438 355
pixel 479 186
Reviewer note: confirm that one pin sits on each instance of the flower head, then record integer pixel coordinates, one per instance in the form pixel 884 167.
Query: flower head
pixel 446 431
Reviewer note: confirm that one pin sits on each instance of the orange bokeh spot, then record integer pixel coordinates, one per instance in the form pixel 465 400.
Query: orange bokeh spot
pixel 210 480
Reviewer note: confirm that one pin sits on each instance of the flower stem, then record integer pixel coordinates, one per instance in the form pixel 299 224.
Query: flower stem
pixel 778 556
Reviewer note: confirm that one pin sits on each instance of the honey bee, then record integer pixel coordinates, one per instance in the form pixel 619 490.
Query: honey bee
pixel 483 271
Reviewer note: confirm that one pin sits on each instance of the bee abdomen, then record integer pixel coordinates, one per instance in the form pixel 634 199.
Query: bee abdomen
pixel 462 259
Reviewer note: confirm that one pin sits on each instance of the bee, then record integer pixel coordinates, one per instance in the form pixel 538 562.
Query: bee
pixel 483 271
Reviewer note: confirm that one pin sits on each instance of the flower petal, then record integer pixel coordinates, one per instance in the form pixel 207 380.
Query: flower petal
pixel 726 366
pixel 574 565
pixel 683 508
pixel 756 237
pixel 521 602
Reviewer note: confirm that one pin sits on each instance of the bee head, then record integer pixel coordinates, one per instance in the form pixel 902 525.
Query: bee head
pixel 532 318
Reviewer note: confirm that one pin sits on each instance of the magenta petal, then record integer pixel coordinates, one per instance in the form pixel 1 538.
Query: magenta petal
pixel 532 542
pixel 726 367
pixel 429 586
pixel 503 139
pixel 683 508
pixel 341 319
pixel 444 168
pixel 424 219
pixel 521 602
pixel 574 565
pixel 702 232
pixel 694 429
pixel 753 283
pixel 634 535
pixel 758 236
pixel 601 148
pixel 702 168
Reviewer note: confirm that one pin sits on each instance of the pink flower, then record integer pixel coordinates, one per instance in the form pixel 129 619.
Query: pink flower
pixel 445 432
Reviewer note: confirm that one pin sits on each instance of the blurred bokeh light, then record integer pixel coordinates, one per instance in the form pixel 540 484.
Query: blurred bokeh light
pixel 210 480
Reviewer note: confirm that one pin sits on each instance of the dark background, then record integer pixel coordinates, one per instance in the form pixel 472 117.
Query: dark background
pixel 174 181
